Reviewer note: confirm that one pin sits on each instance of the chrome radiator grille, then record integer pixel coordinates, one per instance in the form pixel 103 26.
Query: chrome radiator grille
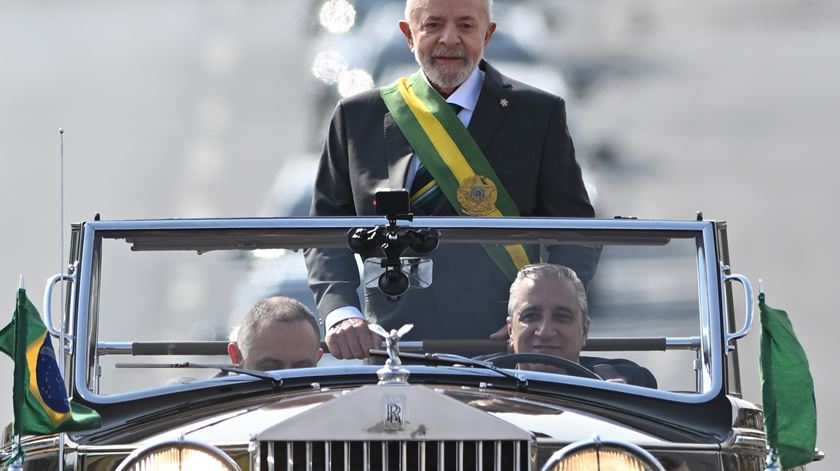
pixel 501 455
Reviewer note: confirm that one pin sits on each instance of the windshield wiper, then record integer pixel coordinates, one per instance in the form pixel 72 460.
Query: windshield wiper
pixel 454 360
pixel 273 380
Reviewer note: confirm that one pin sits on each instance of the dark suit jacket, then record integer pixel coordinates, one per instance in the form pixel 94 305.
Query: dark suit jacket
pixel 522 132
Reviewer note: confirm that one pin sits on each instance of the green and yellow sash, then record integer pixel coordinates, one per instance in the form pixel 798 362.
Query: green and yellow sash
pixel 453 158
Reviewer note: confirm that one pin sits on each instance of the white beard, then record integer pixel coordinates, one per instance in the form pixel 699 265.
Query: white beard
pixel 446 76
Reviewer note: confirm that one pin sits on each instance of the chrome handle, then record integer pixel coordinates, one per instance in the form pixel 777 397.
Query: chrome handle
pixel 748 301
pixel 51 282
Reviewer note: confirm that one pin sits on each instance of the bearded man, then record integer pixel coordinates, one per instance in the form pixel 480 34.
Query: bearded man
pixel 514 156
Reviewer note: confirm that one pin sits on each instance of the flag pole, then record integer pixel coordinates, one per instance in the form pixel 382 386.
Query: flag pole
pixel 17 464
pixel 61 324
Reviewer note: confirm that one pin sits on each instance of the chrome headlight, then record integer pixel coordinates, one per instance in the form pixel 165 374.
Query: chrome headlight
pixel 178 455
pixel 602 455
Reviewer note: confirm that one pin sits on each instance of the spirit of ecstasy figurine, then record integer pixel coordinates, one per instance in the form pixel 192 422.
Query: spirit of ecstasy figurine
pixel 393 371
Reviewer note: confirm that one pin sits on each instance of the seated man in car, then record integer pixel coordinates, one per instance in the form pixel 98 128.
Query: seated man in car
pixel 277 333
pixel 548 314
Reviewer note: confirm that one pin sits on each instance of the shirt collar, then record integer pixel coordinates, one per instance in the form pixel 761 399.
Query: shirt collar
pixel 466 95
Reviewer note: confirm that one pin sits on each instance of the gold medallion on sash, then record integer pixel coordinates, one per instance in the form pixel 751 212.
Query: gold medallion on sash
pixel 477 195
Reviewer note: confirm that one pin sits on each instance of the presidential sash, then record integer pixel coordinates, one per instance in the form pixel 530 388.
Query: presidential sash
pixel 453 158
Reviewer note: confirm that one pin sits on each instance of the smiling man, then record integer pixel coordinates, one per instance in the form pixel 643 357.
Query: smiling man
pixel 463 140
pixel 448 39
pixel 548 313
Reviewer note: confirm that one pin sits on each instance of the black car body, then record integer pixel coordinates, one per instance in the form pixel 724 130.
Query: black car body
pixel 148 308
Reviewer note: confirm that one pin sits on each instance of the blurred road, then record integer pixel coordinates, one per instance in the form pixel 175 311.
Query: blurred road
pixel 187 109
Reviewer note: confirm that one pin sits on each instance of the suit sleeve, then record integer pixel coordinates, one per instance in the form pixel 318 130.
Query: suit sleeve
pixel 562 193
pixel 332 273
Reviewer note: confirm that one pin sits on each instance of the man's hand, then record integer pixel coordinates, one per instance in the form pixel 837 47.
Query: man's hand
pixel 350 338
pixel 609 373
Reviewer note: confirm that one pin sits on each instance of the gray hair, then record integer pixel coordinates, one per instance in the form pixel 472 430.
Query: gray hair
pixel 551 272
pixel 274 309
pixel 411 5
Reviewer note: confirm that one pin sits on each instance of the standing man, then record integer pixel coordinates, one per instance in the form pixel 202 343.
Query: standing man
pixel 278 333
pixel 464 140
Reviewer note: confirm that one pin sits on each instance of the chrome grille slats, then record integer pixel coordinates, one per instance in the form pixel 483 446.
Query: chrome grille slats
pixel 366 456
pixel 442 455
pixel 346 456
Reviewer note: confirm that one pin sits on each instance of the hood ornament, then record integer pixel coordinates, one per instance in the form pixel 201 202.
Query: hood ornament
pixel 392 372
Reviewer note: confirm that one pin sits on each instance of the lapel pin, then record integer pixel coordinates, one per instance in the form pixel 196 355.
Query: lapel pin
pixel 504 102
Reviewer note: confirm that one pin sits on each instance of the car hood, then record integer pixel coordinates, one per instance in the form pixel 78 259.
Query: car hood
pixel 431 412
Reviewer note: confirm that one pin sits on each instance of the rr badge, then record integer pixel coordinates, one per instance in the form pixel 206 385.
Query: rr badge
pixel 394 413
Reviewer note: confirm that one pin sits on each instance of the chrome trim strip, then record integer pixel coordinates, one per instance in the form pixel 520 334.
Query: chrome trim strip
pixel 421 456
pixel 479 455
pixel 290 457
pixel 459 460
pixel 715 368
pixel 419 221
pixel 403 456
pixel 384 456
pixel 308 456
pixel 497 448
pixel 441 449
pixel 327 455
pixel 552 443
pixel 270 462
pixel 745 438
pixel 83 321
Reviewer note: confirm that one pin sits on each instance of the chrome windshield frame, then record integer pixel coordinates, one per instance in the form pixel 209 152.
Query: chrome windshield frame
pixel 709 289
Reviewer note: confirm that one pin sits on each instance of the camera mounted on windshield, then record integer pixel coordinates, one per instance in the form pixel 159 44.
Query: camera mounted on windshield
pixel 396 273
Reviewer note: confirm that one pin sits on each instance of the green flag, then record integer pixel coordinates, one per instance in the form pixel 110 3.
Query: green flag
pixel 39 397
pixel 790 411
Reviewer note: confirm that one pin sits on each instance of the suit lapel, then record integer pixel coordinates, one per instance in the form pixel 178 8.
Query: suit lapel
pixel 398 152
pixel 489 112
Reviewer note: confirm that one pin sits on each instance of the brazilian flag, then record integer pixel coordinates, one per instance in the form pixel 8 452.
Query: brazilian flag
pixel 790 411
pixel 39 396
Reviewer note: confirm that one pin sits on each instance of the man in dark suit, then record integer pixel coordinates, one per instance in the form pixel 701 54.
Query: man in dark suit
pixel 514 140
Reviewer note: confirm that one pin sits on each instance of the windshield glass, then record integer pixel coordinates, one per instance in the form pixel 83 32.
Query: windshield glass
pixel 627 305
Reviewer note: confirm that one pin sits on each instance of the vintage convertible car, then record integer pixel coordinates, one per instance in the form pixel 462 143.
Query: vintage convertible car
pixel 149 307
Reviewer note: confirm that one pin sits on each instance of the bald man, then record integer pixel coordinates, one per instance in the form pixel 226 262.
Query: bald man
pixel 277 333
